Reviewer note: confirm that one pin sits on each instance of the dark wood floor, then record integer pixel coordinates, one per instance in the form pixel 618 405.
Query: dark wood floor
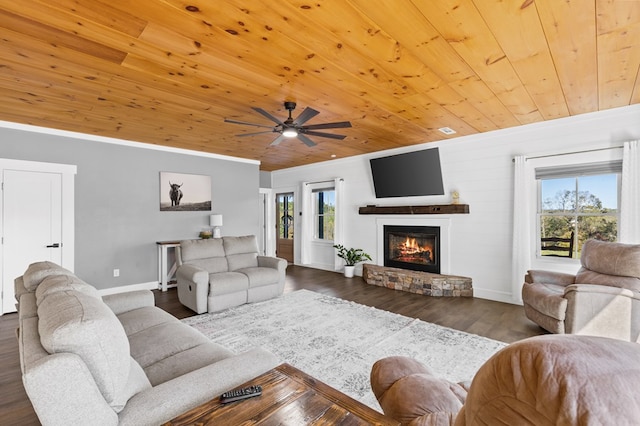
pixel 499 321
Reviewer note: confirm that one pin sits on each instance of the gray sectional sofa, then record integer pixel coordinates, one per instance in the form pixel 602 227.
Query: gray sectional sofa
pixel 219 273
pixel 118 359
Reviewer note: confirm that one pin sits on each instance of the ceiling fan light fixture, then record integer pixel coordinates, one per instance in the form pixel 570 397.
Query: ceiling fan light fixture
pixel 290 132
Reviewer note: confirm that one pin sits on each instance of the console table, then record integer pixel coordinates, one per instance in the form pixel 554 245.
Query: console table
pixel 289 396
pixel 164 276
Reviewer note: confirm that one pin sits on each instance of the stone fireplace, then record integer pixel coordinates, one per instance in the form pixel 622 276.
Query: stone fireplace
pixel 421 246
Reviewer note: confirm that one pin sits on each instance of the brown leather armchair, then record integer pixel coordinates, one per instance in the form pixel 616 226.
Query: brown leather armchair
pixel 602 299
pixel 543 380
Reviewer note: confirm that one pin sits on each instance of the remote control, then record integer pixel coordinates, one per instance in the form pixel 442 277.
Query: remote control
pixel 238 394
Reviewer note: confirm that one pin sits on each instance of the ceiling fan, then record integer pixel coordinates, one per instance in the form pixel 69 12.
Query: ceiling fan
pixel 291 128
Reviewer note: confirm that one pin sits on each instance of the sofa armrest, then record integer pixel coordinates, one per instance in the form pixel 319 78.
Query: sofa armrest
pixel 172 398
pixel 600 289
pixel 272 262
pixel 549 277
pixel 193 274
pixel 600 310
pixel 128 301
pixel 193 287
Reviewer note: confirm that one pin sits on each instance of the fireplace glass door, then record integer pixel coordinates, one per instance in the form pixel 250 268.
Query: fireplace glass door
pixel 412 247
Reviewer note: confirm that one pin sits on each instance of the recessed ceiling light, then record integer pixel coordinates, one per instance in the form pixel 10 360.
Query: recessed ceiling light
pixel 447 130
pixel 333 156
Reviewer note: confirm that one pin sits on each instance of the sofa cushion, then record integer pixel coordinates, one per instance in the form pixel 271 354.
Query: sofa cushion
pixel 38 271
pixel 136 320
pixel 259 276
pixel 227 282
pixel 206 254
pixel 547 299
pixel 611 258
pixel 201 249
pixel 242 252
pixel 586 276
pixel 55 283
pixel 71 321
pixel 156 343
pixel 186 361
pixel 557 380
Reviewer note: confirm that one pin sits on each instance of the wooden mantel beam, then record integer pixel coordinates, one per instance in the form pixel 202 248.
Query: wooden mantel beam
pixel 433 209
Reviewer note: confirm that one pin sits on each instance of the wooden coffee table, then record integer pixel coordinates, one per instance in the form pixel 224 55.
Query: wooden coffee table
pixel 289 397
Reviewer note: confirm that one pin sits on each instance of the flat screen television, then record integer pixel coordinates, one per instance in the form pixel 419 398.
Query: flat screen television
pixel 407 175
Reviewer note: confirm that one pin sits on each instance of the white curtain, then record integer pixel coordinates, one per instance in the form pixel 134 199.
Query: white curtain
pixel 338 232
pixel 630 194
pixel 306 228
pixel 521 249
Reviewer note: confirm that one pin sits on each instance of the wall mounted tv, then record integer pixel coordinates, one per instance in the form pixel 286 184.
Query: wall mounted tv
pixel 407 175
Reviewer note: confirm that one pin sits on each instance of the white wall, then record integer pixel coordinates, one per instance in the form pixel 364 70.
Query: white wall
pixel 480 167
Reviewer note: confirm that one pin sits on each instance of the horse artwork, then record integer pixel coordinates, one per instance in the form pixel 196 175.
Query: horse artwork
pixel 193 193
pixel 175 193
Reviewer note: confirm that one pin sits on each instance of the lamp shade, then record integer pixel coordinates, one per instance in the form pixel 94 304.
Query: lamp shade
pixel 215 220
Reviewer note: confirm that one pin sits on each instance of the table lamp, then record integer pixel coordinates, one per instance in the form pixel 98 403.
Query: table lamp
pixel 215 220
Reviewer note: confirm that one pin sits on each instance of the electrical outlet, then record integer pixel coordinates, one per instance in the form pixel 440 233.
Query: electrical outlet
pixel 116 272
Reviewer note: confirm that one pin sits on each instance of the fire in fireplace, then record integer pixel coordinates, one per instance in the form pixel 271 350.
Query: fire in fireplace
pixel 412 247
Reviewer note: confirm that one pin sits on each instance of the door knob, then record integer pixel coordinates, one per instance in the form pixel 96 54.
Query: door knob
pixel 54 245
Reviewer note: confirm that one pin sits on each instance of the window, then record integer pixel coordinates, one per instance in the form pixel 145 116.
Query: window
pixel 324 210
pixel 577 203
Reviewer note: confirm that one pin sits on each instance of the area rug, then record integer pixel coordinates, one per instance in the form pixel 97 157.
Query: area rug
pixel 337 341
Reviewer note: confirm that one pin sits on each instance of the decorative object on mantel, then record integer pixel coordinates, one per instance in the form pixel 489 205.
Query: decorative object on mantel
pixel 433 209
pixel 351 257
pixel 455 197
pixel 418 282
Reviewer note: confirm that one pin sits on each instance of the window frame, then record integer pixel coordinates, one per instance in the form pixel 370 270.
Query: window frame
pixel 588 154
pixel 317 217
pixel 576 214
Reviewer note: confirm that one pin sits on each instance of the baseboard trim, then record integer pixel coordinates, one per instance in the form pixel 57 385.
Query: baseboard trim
pixel 153 285
pixel 497 296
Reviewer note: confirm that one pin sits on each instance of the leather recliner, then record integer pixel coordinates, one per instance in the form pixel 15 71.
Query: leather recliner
pixel 602 299
pixel 542 381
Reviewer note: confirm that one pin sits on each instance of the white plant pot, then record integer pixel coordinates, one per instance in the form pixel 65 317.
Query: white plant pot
pixel 348 271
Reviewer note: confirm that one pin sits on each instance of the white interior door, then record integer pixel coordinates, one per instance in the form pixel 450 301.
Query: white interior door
pixel 32 224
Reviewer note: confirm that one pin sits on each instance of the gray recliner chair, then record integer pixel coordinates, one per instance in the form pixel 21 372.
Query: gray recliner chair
pixel 602 299
pixel 219 273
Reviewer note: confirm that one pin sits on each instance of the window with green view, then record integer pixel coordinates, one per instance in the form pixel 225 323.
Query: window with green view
pixel 324 211
pixel 578 207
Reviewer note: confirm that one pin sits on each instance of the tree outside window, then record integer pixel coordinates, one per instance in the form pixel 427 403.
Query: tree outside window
pixel 324 211
pixel 583 206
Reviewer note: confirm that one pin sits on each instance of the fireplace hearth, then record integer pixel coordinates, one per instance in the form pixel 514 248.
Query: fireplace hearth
pixel 412 247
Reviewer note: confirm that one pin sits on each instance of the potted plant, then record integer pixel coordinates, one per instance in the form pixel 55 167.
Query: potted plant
pixel 351 256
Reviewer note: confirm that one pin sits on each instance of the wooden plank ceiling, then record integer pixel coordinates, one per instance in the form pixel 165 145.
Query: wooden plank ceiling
pixel 169 72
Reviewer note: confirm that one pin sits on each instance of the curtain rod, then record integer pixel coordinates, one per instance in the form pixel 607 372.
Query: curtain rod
pixel 569 153
pixel 324 181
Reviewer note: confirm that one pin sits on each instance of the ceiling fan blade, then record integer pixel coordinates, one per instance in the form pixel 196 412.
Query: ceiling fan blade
pixel 306 140
pixel 241 135
pixel 305 116
pixel 337 125
pixel 267 115
pixel 226 120
pixel 325 135
pixel 277 140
